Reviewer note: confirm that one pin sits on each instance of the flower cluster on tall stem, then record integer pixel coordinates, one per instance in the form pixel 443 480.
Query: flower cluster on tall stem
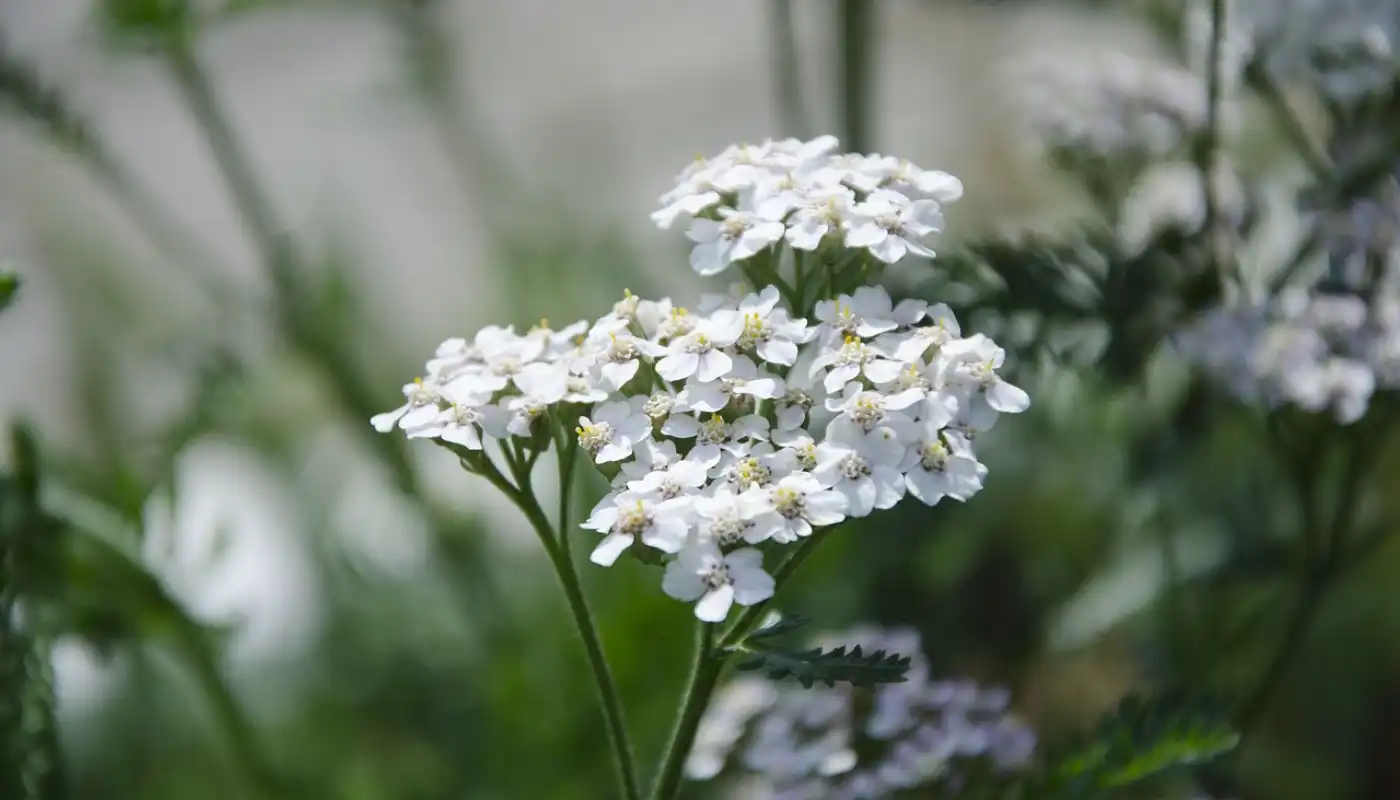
pixel 744 424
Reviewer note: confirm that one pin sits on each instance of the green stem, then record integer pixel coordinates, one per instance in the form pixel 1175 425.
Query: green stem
pixel 558 552
pixel 704 675
pixel 231 721
pixel 710 659
pixel 856 29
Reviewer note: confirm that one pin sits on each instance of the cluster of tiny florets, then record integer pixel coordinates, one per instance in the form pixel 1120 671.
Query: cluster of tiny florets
pixel 749 197
pixel 733 427
pixel 1315 350
pixel 739 426
pixel 842 742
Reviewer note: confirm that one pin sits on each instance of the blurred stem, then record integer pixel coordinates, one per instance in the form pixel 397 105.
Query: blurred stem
pixel 856 29
pixel 792 118
pixel 1323 563
pixel 1293 129
pixel 704 675
pixel 523 496
pixel 279 258
pixel 710 658
pixel 1208 154
pixel 194 649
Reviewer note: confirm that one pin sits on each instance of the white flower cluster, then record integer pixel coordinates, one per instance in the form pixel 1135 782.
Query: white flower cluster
pixel 1316 351
pixel 731 427
pixel 750 197
pixel 1343 48
pixel 817 743
pixel 1108 104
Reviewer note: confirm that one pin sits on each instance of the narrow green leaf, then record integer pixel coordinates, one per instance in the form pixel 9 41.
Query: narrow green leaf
pixel 9 285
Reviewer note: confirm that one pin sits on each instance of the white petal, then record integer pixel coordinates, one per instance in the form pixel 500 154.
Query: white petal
pixel 713 366
pixel 882 371
pixel 1006 398
pixel 607 551
pixel 715 605
pixel 385 422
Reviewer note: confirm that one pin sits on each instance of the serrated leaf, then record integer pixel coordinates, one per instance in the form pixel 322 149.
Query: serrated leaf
pixel 853 666
pixel 1141 739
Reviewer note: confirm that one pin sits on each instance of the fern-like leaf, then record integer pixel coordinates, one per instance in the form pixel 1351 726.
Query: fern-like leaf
pixel 841 665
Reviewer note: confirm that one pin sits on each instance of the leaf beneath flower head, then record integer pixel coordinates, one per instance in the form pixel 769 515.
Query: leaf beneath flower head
pixel 808 667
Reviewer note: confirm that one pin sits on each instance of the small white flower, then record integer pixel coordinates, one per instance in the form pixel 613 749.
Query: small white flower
pixel 727 518
pixel 650 456
pixel 796 505
pixel 505 354
pixel 865 410
pixel 423 400
pixel 623 356
pixel 768 331
pixel 736 236
pixel 700 352
pixel 938 466
pixel 869 312
pixel 821 213
pixel 525 413
pixel 463 425
pixel 850 361
pixel 671 481
pixel 972 365
pixel 791 409
pixel 904 177
pixel 718 581
pixel 912 346
pixel 615 429
pixel 863 467
pixel 546 381
pixel 891 225
pixel 744 379
pixel 627 517
pixel 714 435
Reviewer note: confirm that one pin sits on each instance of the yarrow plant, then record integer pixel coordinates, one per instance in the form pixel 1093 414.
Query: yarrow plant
pixel 738 431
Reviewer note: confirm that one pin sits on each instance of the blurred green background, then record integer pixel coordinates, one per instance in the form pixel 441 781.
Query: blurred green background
pixel 201 392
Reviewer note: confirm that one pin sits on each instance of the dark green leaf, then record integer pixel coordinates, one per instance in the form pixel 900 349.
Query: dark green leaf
pixel 828 666
pixel 1141 739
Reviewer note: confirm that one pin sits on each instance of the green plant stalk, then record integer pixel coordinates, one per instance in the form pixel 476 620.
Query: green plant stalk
pixel 710 659
pixel 704 675
pixel 558 552
pixel 856 29
pixel 238 733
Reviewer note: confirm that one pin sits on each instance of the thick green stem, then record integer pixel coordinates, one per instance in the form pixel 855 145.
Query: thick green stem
pixel 710 659
pixel 704 675
pixel 558 553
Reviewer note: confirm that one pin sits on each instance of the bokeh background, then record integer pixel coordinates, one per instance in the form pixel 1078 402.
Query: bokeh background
pixel 387 625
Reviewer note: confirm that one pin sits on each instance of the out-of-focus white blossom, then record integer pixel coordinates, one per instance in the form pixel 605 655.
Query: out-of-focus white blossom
pixel 1344 49
pixel 844 743
pixel 1316 351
